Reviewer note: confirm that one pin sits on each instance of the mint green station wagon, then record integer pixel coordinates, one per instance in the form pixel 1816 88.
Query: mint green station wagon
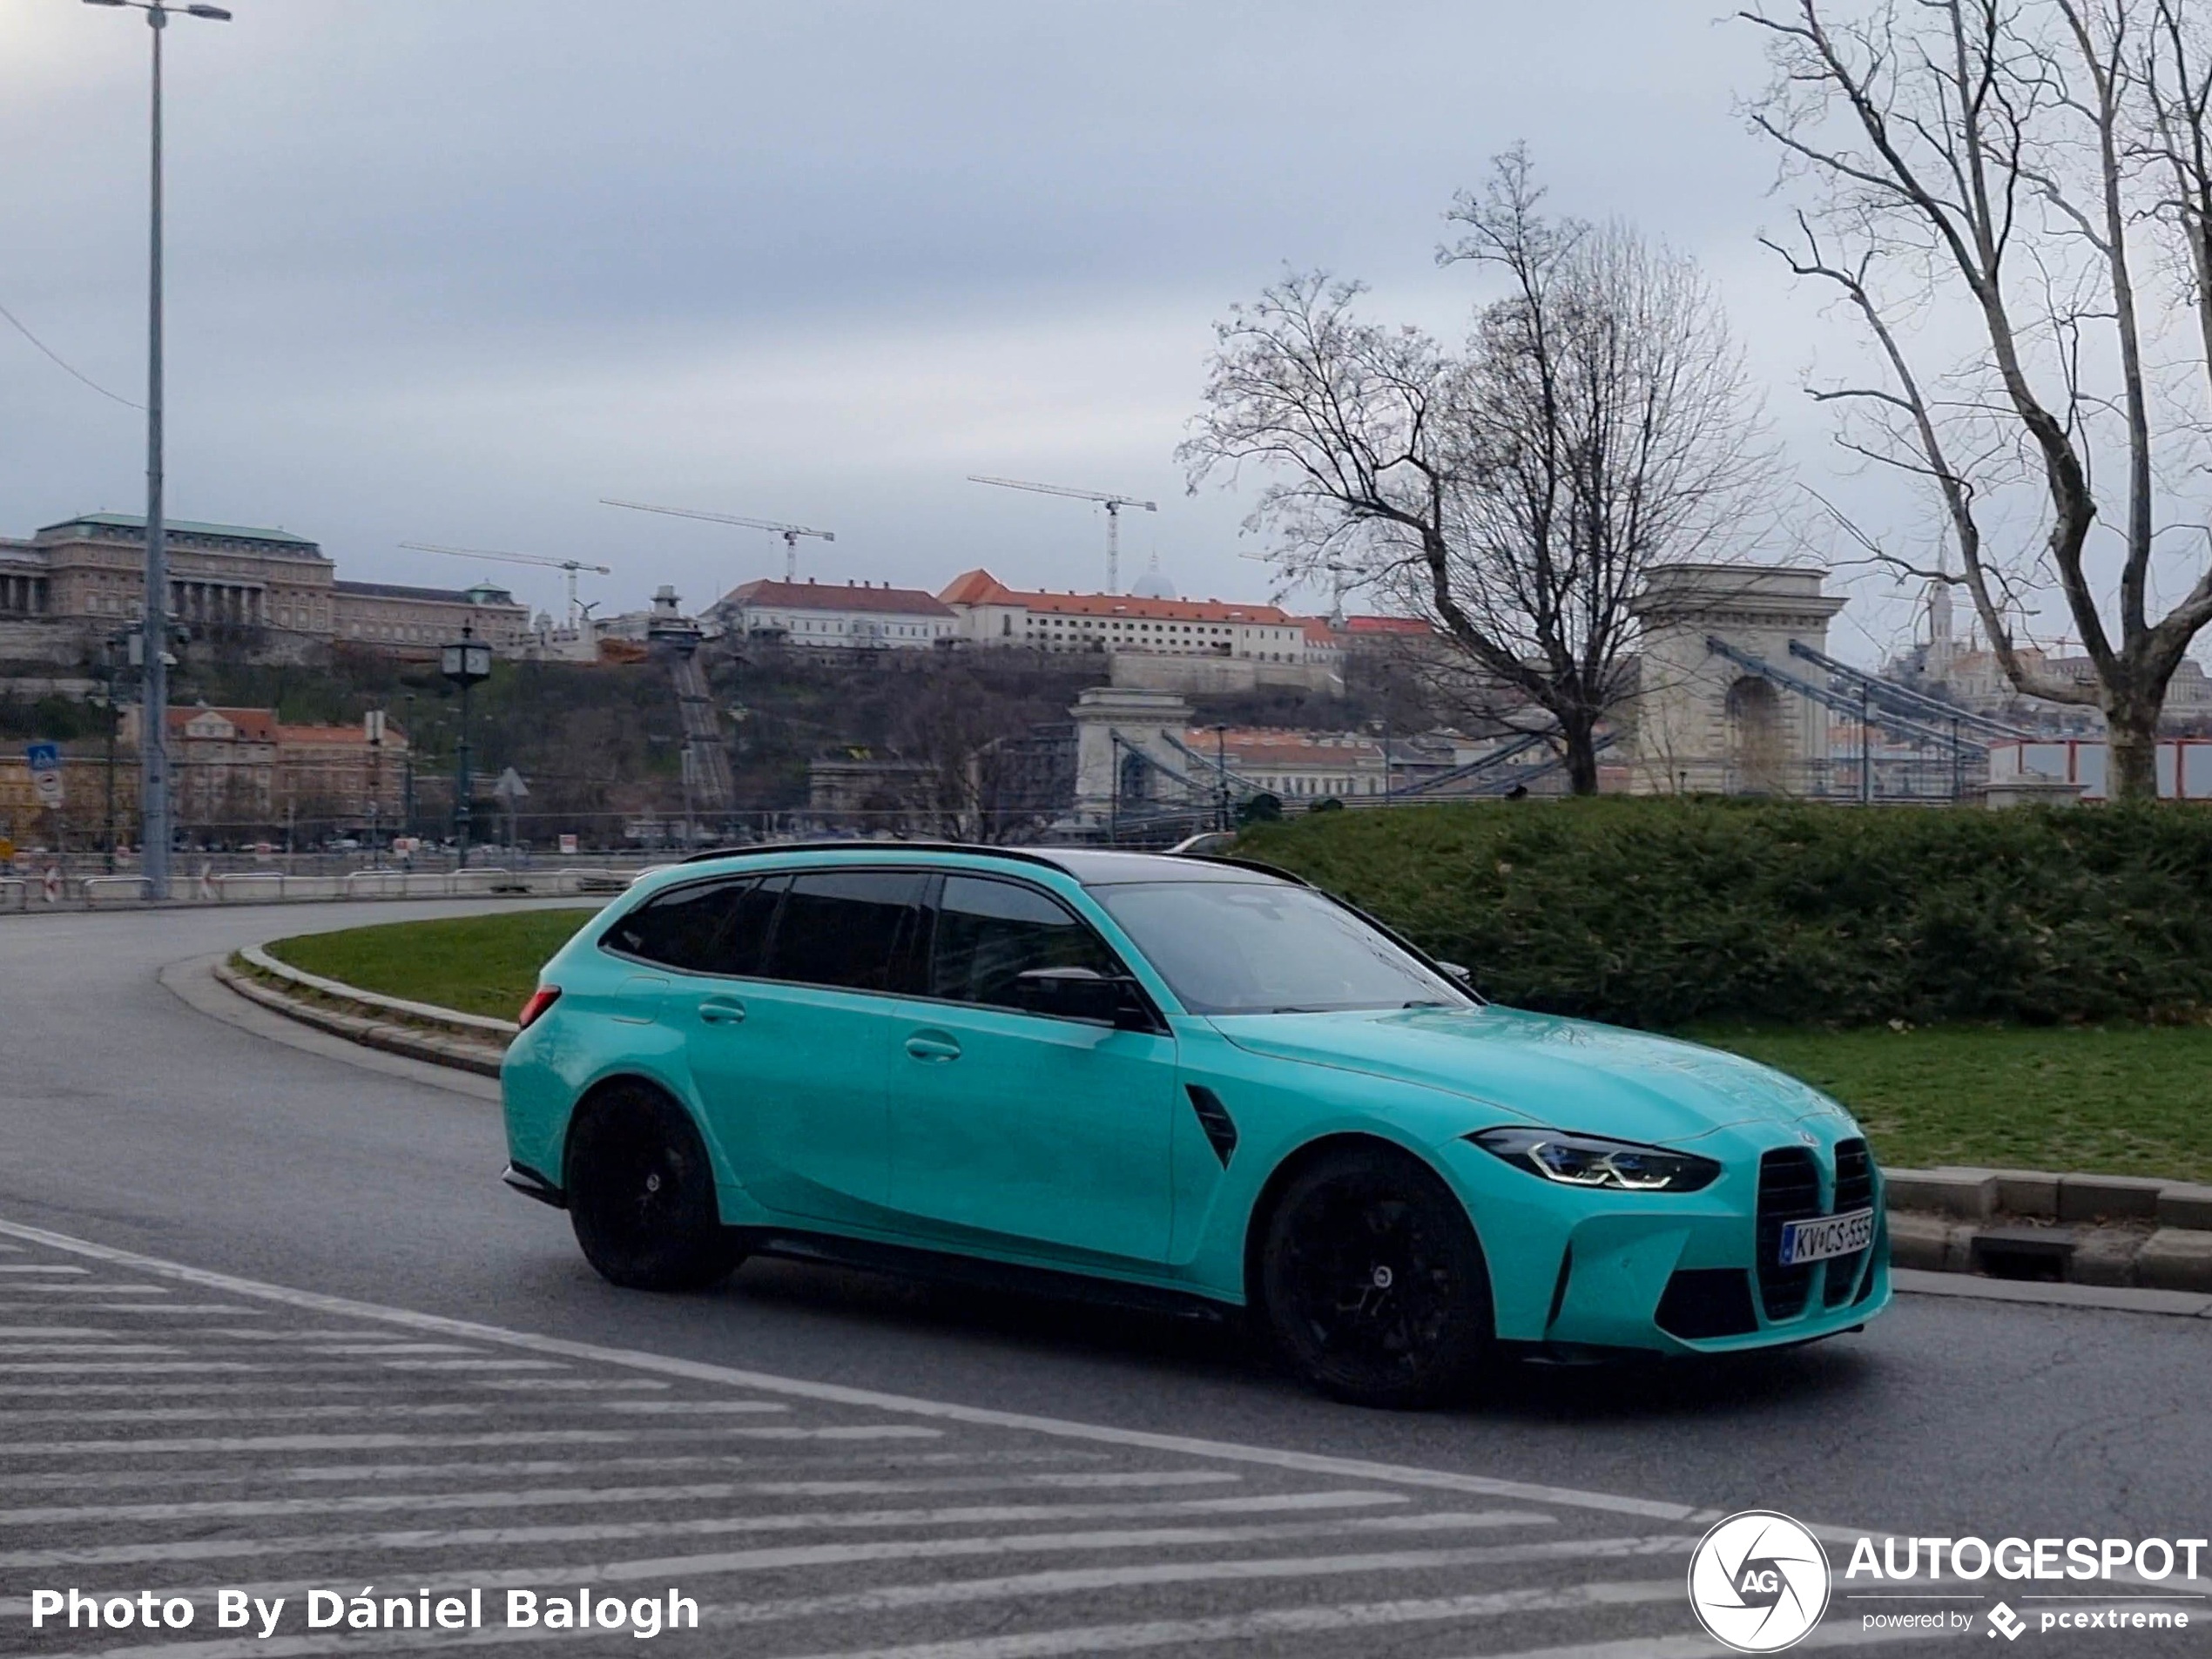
pixel 1185 1082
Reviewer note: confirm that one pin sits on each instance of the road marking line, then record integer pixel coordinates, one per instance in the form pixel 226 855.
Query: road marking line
pixel 42 1269
pixel 48 1367
pixel 690 1408
pixel 138 1307
pixel 323 1442
pixel 474 1365
pixel 89 1289
pixel 577 1384
pixel 1040 1644
pixel 683 1569
pixel 24 1350
pixel 990 1515
pixel 260 1414
pixel 832 1393
pixel 183 1387
pixel 468 1469
pixel 1080 1580
pixel 53 1331
pixel 1702 1646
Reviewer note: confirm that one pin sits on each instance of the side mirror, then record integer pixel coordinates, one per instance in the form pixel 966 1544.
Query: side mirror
pixel 1458 971
pixel 1082 994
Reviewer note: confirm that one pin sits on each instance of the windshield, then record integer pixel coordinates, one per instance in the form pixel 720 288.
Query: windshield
pixel 1233 948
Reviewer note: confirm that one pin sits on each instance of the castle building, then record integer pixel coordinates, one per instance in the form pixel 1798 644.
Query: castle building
pixel 73 584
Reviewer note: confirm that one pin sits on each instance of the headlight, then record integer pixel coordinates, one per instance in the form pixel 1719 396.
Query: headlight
pixel 1593 1161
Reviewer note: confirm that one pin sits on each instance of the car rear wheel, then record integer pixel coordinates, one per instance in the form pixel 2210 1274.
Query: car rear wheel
pixel 641 1194
pixel 1374 1284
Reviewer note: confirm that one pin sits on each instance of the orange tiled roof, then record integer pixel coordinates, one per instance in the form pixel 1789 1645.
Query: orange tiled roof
pixel 827 595
pixel 982 587
pixel 256 725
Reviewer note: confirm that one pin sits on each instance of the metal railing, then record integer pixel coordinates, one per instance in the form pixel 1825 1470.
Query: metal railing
pixel 87 883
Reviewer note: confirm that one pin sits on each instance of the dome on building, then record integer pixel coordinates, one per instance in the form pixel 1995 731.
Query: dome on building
pixel 1152 584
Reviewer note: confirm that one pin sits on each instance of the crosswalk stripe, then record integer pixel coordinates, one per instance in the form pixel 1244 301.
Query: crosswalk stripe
pixel 1045 1644
pixel 1704 1646
pixel 1080 1580
pixel 90 1288
pixel 1308 1463
pixel 993 1514
pixel 261 1414
pixel 683 1570
pixel 472 1469
pixel 1182 1634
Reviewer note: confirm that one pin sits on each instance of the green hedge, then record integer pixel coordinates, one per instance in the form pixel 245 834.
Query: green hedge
pixel 1662 912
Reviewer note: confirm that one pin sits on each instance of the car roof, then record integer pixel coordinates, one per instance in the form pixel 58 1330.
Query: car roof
pixel 1092 866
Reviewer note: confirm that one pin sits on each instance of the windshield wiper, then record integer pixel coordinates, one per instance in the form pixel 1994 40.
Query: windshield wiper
pixel 1425 1002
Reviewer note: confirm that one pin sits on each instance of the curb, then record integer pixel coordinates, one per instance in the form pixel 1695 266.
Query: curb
pixel 413 1042
pixel 2032 1225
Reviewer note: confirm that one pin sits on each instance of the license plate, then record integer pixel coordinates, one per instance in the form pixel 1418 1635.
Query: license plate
pixel 1818 1239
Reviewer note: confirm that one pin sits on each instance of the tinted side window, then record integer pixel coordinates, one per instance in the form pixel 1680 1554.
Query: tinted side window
pixel 989 931
pixel 744 945
pixel 685 927
pixel 845 928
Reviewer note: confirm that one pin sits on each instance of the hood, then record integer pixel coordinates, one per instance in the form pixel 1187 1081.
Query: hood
pixel 1561 1074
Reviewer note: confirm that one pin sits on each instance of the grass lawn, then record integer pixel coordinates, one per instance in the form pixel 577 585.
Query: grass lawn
pixel 476 964
pixel 2123 1100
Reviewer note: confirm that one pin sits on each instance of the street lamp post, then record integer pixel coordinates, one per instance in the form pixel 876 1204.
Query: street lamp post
pixel 406 804
pixel 465 662
pixel 1221 767
pixel 153 739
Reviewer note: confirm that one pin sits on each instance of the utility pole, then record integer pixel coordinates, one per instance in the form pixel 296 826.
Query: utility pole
pixel 153 743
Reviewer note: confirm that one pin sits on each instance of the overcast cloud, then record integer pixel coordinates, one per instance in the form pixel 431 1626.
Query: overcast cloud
pixel 450 271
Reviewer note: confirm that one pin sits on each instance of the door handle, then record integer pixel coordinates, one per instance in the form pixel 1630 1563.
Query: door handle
pixel 933 1046
pixel 722 1010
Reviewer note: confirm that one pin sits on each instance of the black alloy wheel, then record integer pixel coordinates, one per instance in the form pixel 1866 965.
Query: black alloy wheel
pixel 1373 1283
pixel 641 1194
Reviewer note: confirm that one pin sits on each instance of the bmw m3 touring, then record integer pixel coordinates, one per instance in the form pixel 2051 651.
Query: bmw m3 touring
pixel 1173 1081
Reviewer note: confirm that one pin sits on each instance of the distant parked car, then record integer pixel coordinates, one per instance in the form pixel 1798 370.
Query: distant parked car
pixel 1178 1082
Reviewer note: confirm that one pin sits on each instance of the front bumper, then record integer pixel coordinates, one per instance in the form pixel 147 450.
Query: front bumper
pixel 1573 1268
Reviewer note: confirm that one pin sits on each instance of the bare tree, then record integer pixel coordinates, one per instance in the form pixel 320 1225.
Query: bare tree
pixel 1597 423
pixel 2030 175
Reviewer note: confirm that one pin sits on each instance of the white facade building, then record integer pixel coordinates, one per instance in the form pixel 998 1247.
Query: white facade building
pixel 823 614
pixel 990 613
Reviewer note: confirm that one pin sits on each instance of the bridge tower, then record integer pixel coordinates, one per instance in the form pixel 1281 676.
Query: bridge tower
pixel 1703 723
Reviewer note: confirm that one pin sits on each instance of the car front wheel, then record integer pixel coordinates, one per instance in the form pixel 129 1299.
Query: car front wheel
pixel 641 1194
pixel 1374 1284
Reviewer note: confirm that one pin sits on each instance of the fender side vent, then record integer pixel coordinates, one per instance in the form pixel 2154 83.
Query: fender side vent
pixel 1214 1118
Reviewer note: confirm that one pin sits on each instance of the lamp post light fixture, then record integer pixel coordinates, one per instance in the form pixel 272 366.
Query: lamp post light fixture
pixel 153 739
pixel 465 662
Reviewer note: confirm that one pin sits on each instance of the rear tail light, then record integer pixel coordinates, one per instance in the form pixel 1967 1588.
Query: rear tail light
pixel 540 999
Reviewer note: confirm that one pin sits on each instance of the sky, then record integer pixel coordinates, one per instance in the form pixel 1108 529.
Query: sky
pixel 451 273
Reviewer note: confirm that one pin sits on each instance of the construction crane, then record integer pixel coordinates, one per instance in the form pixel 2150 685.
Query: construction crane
pixel 1340 578
pixel 571 566
pixel 791 533
pixel 1112 504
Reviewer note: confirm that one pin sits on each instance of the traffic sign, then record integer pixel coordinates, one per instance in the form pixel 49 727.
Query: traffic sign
pixel 45 761
pixel 510 787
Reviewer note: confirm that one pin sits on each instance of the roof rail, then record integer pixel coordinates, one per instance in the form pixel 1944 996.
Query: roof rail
pixel 1275 870
pixel 1016 852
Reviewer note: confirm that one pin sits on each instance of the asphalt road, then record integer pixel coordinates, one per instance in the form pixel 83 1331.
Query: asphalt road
pixel 830 1464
